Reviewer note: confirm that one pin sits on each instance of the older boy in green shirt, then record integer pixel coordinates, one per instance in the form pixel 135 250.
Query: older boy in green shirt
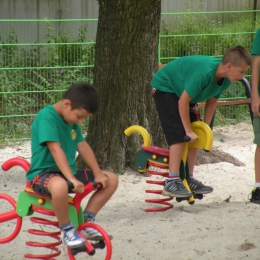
pixel 177 87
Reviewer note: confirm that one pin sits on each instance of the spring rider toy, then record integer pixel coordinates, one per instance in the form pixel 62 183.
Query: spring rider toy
pixel 149 158
pixel 30 202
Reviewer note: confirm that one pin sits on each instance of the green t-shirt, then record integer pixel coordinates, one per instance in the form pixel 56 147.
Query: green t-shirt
pixel 48 125
pixel 256 50
pixel 194 74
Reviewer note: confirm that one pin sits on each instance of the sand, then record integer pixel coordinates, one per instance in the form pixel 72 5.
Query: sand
pixel 210 229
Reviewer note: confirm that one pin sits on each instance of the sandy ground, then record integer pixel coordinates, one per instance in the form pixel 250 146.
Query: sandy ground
pixel 209 229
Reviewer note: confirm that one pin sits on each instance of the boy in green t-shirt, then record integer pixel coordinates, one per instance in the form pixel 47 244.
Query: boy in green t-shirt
pixel 177 88
pixel 56 137
pixel 255 104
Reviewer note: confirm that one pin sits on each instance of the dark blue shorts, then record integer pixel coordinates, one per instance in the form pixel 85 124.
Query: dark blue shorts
pixel 41 180
pixel 168 111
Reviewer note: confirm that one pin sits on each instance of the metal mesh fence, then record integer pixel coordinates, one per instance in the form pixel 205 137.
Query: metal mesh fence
pixel 210 33
pixel 39 59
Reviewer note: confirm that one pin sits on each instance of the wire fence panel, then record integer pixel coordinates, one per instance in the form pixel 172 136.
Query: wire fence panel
pixel 36 68
pixel 205 33
pixel 39 59
pixel 210 33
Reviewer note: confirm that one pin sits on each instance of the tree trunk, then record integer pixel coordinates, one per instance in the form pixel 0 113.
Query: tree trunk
pixel 126 57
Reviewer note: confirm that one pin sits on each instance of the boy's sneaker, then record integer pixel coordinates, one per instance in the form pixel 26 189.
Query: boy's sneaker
pixel 71 238
pixel 175 188
pixel 255 195
pixel 198 187
pixel 93 234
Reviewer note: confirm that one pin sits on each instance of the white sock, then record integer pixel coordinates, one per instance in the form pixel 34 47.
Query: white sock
pixel 174 175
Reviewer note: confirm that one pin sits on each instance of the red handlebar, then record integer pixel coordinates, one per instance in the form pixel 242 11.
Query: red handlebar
pixel 16 162
pixel 7 165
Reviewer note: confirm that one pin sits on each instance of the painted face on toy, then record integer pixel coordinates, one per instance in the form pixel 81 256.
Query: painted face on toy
pixel 237 73
pixel 75 116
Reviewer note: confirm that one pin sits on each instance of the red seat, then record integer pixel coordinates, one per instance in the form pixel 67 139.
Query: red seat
pixel 157 150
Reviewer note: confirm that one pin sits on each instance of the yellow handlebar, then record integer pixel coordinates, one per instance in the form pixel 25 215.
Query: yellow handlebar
pixel 205 135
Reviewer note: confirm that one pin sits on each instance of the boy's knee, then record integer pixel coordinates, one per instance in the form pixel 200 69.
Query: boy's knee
pixel 58 187
pixel 112 179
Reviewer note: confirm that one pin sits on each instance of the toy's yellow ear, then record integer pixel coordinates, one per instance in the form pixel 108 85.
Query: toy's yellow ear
pixel 205 135
pixel 142 131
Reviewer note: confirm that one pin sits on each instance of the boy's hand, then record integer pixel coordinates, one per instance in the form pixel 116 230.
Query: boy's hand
pixel 102 178
pixel 78 186
pixel 193 136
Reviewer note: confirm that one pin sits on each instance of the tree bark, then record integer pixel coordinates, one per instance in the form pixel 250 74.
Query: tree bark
pixel 126 57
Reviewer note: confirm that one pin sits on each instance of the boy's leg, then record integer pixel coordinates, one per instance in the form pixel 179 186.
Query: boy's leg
pixel 58 189
pixel 54 184
pixel 97 200
pixel 100 197
pixel 192 157
pixel 255 194
pixel 168 111
pixel 195 186
pixel 173 185
pixel 257 166
pixel 176 151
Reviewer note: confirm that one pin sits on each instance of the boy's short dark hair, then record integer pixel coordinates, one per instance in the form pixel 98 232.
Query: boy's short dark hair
pixel 236 56
pixel 82 95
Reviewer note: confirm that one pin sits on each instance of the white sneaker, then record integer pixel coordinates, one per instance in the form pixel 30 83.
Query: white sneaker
pixel 71 238
pixel 93 234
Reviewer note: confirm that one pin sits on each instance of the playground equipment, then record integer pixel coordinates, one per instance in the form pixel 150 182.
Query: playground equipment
pixel 30 202
pixel 155 161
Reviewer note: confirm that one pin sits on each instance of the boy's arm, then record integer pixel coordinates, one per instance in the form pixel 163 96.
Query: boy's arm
pixel 184 110
pixel 210 108
pixel 255 82
pixel 63 165
pixel 89 158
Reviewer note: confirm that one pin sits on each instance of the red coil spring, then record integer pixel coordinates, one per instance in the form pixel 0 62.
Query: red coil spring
pixel 55 235
pixel 164 201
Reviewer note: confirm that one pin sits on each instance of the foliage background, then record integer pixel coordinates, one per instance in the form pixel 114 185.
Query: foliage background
pixel 33 75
